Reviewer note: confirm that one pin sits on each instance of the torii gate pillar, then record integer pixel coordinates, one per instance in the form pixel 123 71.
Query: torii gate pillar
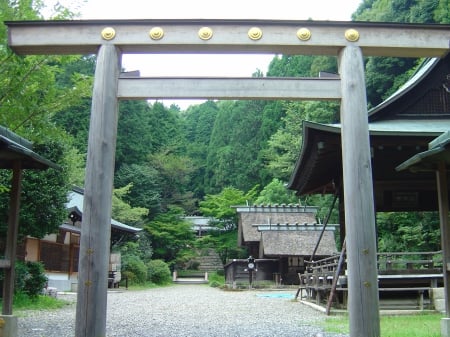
pixel 363 303
pixel 96 229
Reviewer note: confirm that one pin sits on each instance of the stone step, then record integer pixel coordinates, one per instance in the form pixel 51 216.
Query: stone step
pixel 210 261
pixel 190 280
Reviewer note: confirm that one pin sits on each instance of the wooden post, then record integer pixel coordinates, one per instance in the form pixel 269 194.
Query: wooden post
pixel 363 301
pixel 96 225
pixel 336 279
pixel 11 239
pixel 441 175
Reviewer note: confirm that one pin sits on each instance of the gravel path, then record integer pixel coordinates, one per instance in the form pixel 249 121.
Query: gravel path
pixel 186 311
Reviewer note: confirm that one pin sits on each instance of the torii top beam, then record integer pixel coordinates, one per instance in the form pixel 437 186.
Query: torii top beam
pixel 228 36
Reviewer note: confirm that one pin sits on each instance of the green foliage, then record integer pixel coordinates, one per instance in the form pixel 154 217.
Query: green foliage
pixel 284 146
pixel 134 269
pixel 174 171
pixel 236 141
pixel 43 197
pixel 122 211
pixel 158 272
pixel 135 137
pixel 301 66
pixel 408 232
pixel 30 278
pixel 169 234
pixel 22 301
pixel 385 75
pixel 141 248
pixel 74 119
pixel 199 121
pixel 216 279
pixel 227 246
pixel 32 93
pixel 219 206
pixel 291 66
pixel 145 187
pixel 186 259
pixel 276 193
pixel 442 13
pixel 133 257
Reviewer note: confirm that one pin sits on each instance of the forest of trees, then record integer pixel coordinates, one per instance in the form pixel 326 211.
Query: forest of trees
pixel 170 162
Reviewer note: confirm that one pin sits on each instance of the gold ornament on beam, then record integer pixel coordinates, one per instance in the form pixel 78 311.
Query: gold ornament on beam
pixel 108 33
pixel 255 33
pixel 304 34
pixel 352 35
pixel 156 33
pixel 205 33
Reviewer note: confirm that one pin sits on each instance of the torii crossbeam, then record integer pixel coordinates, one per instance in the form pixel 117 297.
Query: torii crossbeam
pixel 350 41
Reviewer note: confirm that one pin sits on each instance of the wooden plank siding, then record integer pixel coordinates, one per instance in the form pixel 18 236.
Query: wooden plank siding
pixel 58 257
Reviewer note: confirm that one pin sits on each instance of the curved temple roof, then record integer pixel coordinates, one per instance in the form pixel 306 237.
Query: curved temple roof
pixel 399 128
pixel 14 148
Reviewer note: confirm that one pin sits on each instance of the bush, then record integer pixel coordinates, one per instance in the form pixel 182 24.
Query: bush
pixel 158 272
pixel 30 278
pixel 134 268
pixel 216 279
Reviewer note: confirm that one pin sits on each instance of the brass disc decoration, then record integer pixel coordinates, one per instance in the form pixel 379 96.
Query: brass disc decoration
pixel 255 33
pixel 156 33
pixel 304 34
pixel 352 35
pixel 205 33
pixel 108 33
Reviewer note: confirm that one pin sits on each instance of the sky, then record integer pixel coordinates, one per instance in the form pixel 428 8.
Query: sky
pixel 207 65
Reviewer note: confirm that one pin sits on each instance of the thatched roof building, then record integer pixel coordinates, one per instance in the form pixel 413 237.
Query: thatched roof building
pixel 297 243
pixel 282 230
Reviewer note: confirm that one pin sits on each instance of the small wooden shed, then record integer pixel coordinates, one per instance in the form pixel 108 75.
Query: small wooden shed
pixel 59 251
pixel 287 234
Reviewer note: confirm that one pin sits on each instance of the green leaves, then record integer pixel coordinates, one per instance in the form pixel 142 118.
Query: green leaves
pixel 276 193
pixel 122 211
pixel 220 206
pixel 169 234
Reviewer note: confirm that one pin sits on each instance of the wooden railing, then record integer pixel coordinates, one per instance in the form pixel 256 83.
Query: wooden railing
pixel 390 262
pixel 320 279
pixel 417 262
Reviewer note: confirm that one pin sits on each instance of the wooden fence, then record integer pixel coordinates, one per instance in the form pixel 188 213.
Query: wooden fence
pixel 398 272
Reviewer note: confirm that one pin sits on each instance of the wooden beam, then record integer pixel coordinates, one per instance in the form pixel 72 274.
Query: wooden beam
pixel 363 300
pixel 441 175
pixel 11 239
pixel 230 88
pixel 230 36
pixel 96 226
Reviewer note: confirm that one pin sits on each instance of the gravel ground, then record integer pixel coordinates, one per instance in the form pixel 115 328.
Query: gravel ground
pixel 186 311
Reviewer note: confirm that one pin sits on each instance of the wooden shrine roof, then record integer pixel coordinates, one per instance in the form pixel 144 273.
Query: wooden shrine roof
pixel 298 243
pixel 399 128
pixel 14 148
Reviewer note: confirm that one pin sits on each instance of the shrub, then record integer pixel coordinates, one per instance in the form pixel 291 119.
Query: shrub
pixel 158 272
pixel 134 268
pixel 216 279
pixel 30 278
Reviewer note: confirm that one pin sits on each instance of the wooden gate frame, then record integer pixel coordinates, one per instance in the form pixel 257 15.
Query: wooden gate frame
pixel 350 41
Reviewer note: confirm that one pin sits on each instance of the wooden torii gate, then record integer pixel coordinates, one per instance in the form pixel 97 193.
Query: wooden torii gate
pixel 109 39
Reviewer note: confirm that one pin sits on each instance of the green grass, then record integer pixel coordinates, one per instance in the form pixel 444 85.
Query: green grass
pixel 420 325
pixel 216 280
pixel 24 302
